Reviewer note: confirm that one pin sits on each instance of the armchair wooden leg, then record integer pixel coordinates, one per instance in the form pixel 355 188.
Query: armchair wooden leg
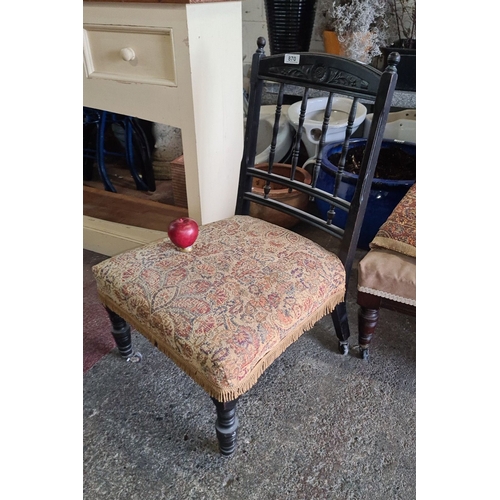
pixel 123 338
pixel 368 315
pixel 226 426
pixel 367 322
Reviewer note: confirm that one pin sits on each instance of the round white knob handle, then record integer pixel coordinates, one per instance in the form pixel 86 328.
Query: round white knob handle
pixel 127 54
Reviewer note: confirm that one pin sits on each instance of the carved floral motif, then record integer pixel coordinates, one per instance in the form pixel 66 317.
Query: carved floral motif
pixel 315 73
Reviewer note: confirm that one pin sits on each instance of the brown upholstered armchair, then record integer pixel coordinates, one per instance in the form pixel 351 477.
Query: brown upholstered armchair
pixel 387 273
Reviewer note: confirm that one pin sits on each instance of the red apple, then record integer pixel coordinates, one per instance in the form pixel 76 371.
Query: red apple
pixel 183 233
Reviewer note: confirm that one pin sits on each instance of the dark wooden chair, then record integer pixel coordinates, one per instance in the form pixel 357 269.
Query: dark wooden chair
pixel 387 276
pixel 249 288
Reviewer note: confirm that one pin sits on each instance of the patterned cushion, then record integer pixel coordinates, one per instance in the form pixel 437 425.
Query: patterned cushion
pixel 399 231
pixel 226 310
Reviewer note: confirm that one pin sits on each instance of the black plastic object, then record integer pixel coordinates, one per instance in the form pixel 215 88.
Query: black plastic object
pixel 407 67
pixel 290 25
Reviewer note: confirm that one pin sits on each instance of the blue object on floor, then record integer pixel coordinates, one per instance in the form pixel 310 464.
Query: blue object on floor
pixel 133 140
pixel 385 194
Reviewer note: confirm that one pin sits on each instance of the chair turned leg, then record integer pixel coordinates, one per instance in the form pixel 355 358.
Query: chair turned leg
pixel 226 426
pixel 367 321
pixel 123 338
pixel 339 316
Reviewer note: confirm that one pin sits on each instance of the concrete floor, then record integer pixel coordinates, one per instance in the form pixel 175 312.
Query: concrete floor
pixel 317 425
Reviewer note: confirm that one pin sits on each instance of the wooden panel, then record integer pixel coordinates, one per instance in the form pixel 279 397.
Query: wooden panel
pixel 111 238
pixel 129 54
pixel 206 103
pixel 128 210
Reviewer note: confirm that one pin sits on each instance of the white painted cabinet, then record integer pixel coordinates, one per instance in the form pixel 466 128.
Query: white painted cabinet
pixel 181 65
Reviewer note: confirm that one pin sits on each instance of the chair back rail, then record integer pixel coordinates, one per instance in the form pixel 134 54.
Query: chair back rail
pixel 337 76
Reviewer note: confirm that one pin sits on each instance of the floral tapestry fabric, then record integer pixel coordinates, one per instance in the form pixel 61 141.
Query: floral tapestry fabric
pixel 227 309
pixel 399 231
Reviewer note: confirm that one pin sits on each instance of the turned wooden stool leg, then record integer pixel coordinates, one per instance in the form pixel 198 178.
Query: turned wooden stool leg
pixel 339 317
pixel 367 320
pixel 123 338
pixel 226 426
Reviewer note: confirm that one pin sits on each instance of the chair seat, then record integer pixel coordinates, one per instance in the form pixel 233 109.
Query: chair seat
pixel 226 310
pixel 388 274
pixel 389 268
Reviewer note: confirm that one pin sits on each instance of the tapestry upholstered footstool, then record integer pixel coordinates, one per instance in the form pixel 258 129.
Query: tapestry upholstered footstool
pixel 226 310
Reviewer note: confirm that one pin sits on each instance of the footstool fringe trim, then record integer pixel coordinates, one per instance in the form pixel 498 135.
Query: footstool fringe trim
pixel 229 394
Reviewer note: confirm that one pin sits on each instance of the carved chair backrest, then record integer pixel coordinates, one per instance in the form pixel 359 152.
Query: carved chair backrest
pixel 334 76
